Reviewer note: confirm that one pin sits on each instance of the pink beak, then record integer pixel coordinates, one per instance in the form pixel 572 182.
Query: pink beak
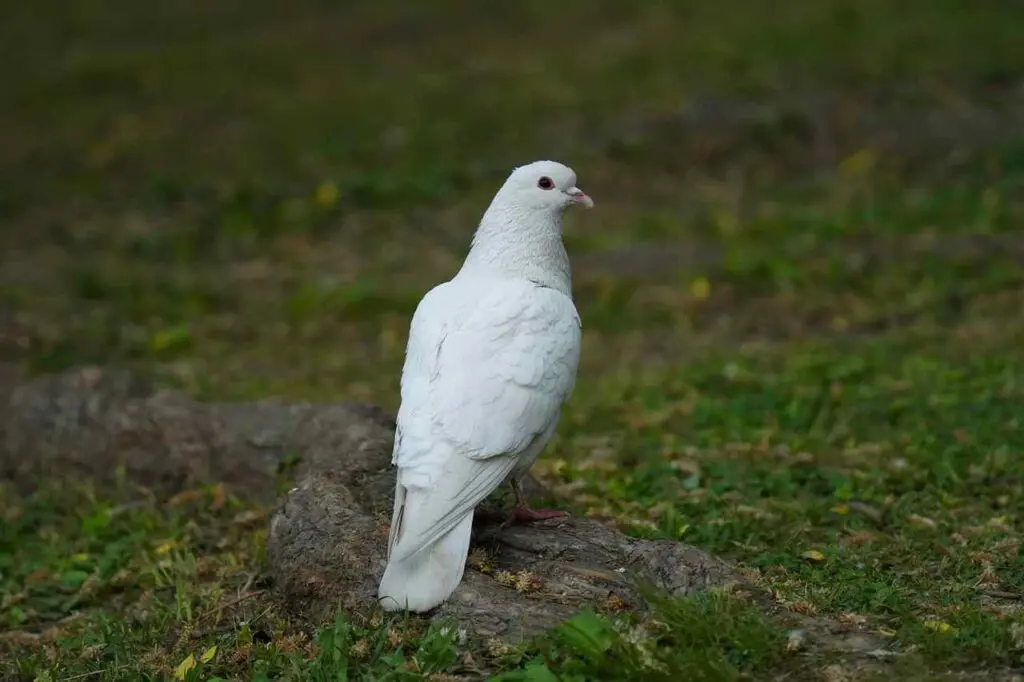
pixel 579 197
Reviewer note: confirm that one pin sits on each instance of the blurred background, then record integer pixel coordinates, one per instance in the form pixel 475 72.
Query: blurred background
pixel 252 196
pixel 804 264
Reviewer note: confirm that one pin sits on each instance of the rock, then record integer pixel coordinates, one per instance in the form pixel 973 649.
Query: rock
pixel 327 540
pixel 90 421
pixel 327 546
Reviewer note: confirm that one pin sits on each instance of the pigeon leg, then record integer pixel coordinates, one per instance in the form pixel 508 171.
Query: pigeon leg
pixel 522 513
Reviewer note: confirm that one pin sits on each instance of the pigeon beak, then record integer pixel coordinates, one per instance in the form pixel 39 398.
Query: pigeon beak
pixel 579 197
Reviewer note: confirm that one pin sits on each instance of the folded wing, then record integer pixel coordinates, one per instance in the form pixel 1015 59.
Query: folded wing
pixel 486 374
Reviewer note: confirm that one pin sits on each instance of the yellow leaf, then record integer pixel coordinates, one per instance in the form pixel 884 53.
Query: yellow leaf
pixel 168 339
pixel 165 547
pixel 209 654
pixel 82 556
pixel 939 626
pixel 184 667
pixel 700 288
pixel 841 509
pixel 327 194
pixel 161 340
pixel 813 555
pixel 858 163
pixel 998 521
pixel 886 632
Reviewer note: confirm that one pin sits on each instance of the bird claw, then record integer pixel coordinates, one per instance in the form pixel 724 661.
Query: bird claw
pixel 523 514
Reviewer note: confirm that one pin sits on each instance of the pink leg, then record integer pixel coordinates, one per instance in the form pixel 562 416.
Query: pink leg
pixel 522 513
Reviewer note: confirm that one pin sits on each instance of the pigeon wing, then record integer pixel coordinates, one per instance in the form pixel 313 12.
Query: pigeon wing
pixel 485 376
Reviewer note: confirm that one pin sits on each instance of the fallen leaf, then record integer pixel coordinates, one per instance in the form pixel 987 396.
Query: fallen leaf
pixel 219 497
pixel 857 538
pixel 327 194
pixel 867 510
pixel 165 546
pixel 850 618
pixel 804 608
pixel 859 163
pixel 37 576
pixel 184 667
pixel 999 522
pixel 919 520
pixel 700 288
pixel 813 555
pixel 184 497
pixel 250 516
pixel 939 626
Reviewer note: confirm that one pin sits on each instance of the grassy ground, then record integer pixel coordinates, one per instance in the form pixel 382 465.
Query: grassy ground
pixel 801 352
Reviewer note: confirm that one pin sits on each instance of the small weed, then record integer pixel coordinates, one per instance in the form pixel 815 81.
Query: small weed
pixel 711 637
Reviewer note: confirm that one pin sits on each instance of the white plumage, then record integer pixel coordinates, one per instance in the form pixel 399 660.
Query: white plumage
pixel 492 355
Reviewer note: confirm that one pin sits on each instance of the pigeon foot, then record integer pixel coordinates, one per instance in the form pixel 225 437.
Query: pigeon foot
pixel 523 514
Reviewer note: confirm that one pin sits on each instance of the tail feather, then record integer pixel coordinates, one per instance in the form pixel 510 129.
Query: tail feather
pixel 425 579
pixel 396 517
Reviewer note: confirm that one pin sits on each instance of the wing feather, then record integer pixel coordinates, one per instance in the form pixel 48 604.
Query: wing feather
pixel 485 377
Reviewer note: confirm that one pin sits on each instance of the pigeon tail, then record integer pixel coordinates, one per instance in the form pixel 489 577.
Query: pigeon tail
pixel 428 577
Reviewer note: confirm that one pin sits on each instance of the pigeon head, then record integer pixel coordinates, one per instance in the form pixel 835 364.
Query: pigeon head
pixel 544 186
pixel 520 232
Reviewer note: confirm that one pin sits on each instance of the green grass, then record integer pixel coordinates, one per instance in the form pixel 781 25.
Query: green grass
pixel 138 590
pixel 803 357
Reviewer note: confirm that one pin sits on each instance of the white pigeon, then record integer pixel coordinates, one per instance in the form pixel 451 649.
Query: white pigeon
pixel 491 358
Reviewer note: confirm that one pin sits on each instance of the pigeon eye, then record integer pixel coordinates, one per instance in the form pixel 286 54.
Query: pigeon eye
pixel 545 183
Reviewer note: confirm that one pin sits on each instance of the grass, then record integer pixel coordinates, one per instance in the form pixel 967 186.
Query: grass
pixel 802 355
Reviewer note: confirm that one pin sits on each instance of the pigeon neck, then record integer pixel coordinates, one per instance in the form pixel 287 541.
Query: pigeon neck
pixel 522 245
